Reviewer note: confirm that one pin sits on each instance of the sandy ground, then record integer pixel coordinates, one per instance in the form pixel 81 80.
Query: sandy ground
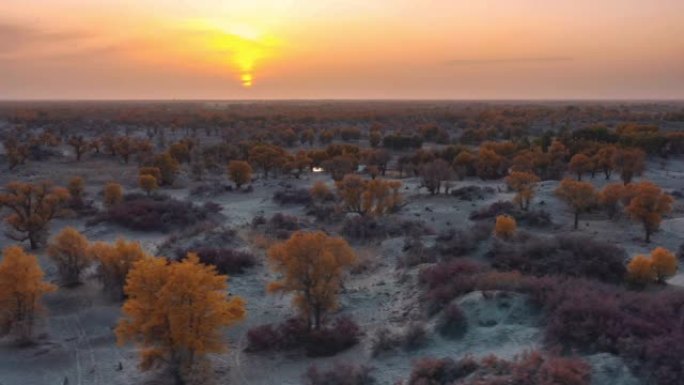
pixel 77 345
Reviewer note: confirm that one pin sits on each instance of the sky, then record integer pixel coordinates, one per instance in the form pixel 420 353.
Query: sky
pixel 355 49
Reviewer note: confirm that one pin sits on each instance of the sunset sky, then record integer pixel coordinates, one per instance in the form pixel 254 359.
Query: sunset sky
pixel 322 49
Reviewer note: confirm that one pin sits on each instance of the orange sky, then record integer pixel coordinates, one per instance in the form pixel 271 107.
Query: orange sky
pixel 389 49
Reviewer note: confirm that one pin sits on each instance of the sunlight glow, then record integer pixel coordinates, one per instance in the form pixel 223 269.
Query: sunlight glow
pixel 242 46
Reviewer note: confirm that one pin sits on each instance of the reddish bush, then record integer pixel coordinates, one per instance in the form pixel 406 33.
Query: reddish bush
pixel 340 374
pixel 155 213
pixel 448 280
pixel 227 261
pixel 340 335
pixel 570 255
pixel 292 196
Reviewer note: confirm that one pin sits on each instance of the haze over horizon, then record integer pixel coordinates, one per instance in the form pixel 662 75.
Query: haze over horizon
pixel 299 49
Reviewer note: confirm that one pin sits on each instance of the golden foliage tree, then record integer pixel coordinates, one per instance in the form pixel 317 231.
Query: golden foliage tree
pixel 664 263
pixel 240 172
pixel 320 191
pixel 581 196
pixel 113 194
pixel 69 251
pixel 175 312
pixel 505 226
pixel 115 261
pixel 311 265
pixel 148 183
pixel 640 270
pixel 580 164
pixel 368 197
pixel 152 171
pixel 168 167
pixel 32 207
pixel 629 162
pixel 489 164
pixel 648 205
pixel 267 157
pixel 80 146
pixel 603 159
pixel 76 188
pixel 21 289
pixel 523 183
pixel 610 196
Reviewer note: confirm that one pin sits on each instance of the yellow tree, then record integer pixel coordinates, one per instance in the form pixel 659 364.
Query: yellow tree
pixel 115 261
pixel 76 188
pixel 148 183
pixel 113 194
pixel 168 167
pixel 175 312
pixel 523 183
pixel 648 205
pixel 32 207
pixel 69 251
pixel 311 266
pixel 664 263
pixel 240 172
pixel 630 162
pixel 320 192
pixel 581 196
pixel 580 164
pixel 505 226
pixel 364 197
pixel 21 289
pixel 610 196
pixel 640 270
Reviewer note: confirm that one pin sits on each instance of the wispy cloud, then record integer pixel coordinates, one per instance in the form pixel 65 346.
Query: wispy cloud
pixel 515 60
pixel 19 41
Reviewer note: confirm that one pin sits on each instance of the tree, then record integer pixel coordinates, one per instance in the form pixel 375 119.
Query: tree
pixel 640 270
pixel 21 289
pixel 604 159
pixel 610 196
pixel 76 188
pixel 311 265
pixel 364 197
pixel 80 145
pixel 266 157
pixel 175 312
pixel 113 194
pixel 69 251
pixel 148 183
pixel 32 207
pixel 629 162
pixel 580 164
pixel 240 172
pixel 505 226
pixel 464 164
pixel 115 261
pixel 320 192
pixel 648 206
pixel 434 173
pixel 489 164
pixel 124 147
pixel 523 183
pixel 152 171
pixel 168 167
pixel 664 263
pixel 581 196
pixel 340 165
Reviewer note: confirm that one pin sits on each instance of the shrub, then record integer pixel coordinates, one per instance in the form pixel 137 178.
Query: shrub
pixel 227 261
pixel 536 218
pixel 447 280
pixel 505 227
pixel 453 322
pixel 113 194
pixel 456 243
pixel 532 368
pixel 294 333
pixel 493 210
pixel 415 253
pixel 415 336
pixel 570 255
pixel 471 193
pixel 340 374
pixel 282 225
pixel 157 213
pixel 365 228
pixel 292 196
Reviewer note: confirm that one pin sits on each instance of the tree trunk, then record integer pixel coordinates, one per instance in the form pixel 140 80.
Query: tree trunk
pixel 576 219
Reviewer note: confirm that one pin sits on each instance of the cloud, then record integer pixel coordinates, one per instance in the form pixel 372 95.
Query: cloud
pixel 501 61
pixel 18 41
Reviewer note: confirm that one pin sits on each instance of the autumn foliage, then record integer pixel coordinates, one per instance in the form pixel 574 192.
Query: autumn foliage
pixel 240 172
pixel 368 197
pixel 147 183
pixel 523 183
pixel 580 196
pixel 69 251
pixel 505 226
pixel 113 194
pixel 311 266
pixel 21 289
pixel 115 261
pixel 175 312
pixel 32 207
pixel 648 205
pixel 660 265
